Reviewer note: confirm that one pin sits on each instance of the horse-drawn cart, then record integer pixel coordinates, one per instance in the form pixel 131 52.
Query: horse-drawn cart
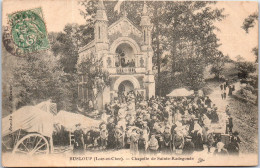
pixel 28 131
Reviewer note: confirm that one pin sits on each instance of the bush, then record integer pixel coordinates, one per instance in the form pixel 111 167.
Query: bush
pixel 217 69
pixel 246 95
pixel 244 68
pixel 249 88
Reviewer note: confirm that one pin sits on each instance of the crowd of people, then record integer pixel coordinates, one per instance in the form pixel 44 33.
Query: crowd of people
pixel 181 125
pixel 225 86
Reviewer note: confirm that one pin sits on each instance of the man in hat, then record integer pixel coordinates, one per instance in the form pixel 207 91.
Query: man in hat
pixel 152 122
pixel 167 140
pixel 222 90
pixel 139 122
pixel 159 135
pixel 235 138
pixel 134 142
pixel 208 101
pixel 142 144
pixel 116 109
pixel 227 110
pixel 119 138
pixel 111 132
pixel 214 116
pixel 197 136
pixel 103 136
pixel 79 140
pixel 210 139
pixel 234 144
pixel 178 140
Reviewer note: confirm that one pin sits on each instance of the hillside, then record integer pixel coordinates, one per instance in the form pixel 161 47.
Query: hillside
pixel 243 108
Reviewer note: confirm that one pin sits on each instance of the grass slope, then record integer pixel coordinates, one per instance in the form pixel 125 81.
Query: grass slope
pixel 245 121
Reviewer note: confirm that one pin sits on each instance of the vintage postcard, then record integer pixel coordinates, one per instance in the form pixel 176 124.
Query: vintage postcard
pixel 129 83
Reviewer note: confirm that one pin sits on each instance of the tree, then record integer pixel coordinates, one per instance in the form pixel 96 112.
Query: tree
pixel 193 38
pixel 240 58
pixel 218 65
pixel 245 68
pixel 173 21
pixel 39 77
pixel 94 72
pixel 249 23
pixel 67 44
pixel 255 51
pixel 227 58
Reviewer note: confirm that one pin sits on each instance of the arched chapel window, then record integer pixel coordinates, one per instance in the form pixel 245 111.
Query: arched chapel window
pixel 109 62
pixel 142 62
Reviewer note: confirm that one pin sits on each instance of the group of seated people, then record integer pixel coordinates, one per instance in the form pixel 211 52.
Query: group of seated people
pixel 162 125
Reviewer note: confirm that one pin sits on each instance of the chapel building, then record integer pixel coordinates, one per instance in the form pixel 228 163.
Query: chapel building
pixel 126 52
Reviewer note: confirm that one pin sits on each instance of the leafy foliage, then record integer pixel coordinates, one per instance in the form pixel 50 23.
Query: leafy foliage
pixel 38 77
pixel 192 74
pixel 245 68
pixel 240 58
pixel 248 23
pixel 193 40
pixel 255 51
pixel 93 72
pixel 67 44
pixel 185 29
pixel 218 65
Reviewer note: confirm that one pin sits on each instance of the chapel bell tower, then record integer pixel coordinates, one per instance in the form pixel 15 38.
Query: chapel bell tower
pixel 101 27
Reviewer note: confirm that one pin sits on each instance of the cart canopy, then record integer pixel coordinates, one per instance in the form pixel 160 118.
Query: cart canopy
pixel 180 92
pixel 69 120
pixel 30 119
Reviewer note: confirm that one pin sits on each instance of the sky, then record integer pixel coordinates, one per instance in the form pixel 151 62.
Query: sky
pixel 235 41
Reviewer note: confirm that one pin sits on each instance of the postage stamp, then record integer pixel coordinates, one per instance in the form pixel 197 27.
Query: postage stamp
pixel 28 31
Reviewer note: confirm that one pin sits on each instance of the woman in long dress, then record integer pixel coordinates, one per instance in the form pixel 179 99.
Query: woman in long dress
pixel 134 142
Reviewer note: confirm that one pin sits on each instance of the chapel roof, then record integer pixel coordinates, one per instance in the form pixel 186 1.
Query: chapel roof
pixel 126 19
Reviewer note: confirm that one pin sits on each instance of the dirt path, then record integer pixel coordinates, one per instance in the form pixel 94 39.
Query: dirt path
pixel 215 96
pixel 221 104
pixel 244 122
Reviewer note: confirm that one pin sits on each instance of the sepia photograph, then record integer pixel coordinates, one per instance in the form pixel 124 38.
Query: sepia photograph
pixel 129 83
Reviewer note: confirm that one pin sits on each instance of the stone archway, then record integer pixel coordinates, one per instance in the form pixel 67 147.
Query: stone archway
pixel 126 40
pixel 125 86
pixel 132 79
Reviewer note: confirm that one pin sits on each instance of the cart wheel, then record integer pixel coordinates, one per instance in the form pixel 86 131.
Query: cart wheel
pixel 32 144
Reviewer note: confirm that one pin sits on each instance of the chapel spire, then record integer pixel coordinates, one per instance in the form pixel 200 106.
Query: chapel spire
pixel 101 27
pixel 145 19
pixel 146 26
pixel 101 12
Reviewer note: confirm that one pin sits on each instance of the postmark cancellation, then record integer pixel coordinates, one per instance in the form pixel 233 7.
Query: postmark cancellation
pixel 27 31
